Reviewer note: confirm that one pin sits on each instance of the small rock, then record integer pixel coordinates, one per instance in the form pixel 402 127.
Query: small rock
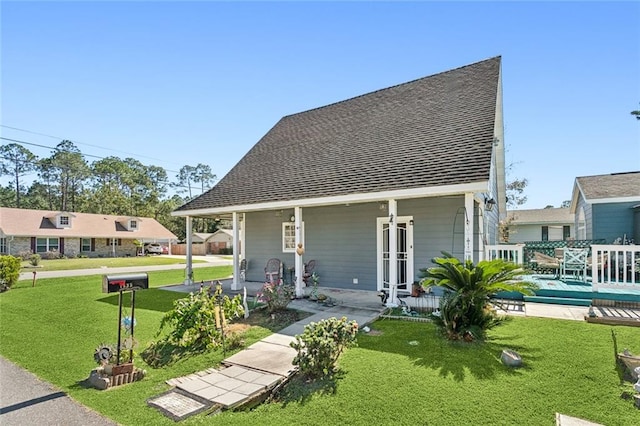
pixel 511 358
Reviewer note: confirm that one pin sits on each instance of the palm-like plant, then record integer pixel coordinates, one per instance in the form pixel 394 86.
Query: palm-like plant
pixel 465 310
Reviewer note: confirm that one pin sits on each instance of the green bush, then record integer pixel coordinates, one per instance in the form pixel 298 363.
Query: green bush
pixel 321 344
pixel 465 311
pixel 277 296
pixel 34 259
pixel 9 270
pixel 194 321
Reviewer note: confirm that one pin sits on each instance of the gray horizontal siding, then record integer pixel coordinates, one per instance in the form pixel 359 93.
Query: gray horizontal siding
pixel 342 239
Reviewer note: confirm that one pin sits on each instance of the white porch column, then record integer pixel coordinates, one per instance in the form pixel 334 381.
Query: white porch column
pixel 188 279
pixel 299 267
pixel 235 285
pixel 468 226
pixel 393 253
pixel 482 231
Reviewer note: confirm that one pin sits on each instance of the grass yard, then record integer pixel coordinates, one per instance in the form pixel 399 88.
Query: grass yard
pixel 400 374
pixel 109 262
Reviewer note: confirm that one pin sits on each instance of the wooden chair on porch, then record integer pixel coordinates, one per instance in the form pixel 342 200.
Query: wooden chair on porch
pixel 308 271
pixel 243 269
pixel 273 271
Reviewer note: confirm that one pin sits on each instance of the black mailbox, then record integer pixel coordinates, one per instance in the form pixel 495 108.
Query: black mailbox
pixel 130 282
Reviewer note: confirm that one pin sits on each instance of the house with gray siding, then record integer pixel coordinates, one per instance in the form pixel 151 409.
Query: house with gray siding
pixel 607 207
pixel 550 224
pixel 372 187
pixel 60 233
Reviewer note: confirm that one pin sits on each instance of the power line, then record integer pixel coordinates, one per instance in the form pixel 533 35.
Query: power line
pixel 81 143
pixel 35 162
pixel 60 150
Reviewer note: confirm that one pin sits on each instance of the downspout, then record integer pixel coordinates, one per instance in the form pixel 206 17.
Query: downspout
pixel 299 268
pixel 235 285
pixel 468 226
pixel 393 254
pixel 189 271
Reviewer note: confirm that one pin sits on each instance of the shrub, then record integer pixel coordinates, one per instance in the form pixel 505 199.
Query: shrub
pixel 9 270
pixel 277 296
pixel 194 320
pixel 465 311
pixel 321 344
pixel 51 255
pixel 34 259
pixel 25 254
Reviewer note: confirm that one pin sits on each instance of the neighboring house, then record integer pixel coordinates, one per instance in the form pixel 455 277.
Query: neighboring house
pixel 71 234
pixel 552 224
pixel 401 173
pixel 216 241
pixel 607 207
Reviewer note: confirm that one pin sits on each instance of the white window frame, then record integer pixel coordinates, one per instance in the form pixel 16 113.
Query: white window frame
pixel 48 246
pixel 3 245
pixel 133 225
pixel 290 238
pixel 65 220
pixel 83 246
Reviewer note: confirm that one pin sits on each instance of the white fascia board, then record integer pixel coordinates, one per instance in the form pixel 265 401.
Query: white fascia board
pixel 613 200
pixel 343 199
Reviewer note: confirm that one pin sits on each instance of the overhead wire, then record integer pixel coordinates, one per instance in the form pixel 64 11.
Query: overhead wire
pixel 35 162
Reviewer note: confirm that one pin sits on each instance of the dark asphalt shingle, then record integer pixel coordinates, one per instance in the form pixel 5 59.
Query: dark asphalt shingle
pixel 437 130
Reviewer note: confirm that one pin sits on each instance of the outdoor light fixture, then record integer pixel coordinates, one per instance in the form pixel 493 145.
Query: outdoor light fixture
pixel 489 203
pixel 292 218
pixel 391 218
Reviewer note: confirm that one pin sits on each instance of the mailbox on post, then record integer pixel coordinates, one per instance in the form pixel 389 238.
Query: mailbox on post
pixel 119 284
pixel 130 282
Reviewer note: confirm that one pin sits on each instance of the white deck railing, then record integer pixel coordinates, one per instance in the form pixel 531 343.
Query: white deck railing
pixel 615 266
pixel 512 253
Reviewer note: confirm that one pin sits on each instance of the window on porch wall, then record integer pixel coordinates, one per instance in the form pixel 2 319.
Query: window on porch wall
pixel 545 233
pixel 289 237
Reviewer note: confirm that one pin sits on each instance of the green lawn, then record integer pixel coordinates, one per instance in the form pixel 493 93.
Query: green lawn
pixel 401 375
pixel 109 262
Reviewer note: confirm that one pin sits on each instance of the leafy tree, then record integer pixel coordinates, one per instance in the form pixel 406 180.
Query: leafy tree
pixel 514 190
pixel 204 176
pixel 72 170
pixel 185 176
pixel 465 310
pixel 201 174
pixel 16 161
pixel 48 175
pixel 7 196
pixel 565 204
pixel 636 113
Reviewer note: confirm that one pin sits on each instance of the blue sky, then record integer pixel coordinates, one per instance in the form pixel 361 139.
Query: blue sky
pixel 175 83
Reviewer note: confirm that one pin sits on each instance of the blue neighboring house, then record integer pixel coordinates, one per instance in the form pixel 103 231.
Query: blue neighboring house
pixel 399 174
pixel 607 207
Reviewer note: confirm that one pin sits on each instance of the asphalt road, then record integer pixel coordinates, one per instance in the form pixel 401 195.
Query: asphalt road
pixel 208 261
pixel 27 400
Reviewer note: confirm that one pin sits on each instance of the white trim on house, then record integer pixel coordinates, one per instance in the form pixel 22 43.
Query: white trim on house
pixel 343 199
pixel 380 222
pixel 612 200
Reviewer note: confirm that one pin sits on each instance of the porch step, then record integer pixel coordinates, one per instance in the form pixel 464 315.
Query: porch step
pixel 558 300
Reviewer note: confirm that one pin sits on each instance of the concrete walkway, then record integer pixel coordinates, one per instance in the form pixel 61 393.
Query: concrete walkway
pixel 256 370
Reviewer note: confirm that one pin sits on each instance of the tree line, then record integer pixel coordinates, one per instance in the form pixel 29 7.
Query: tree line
pixel 66 181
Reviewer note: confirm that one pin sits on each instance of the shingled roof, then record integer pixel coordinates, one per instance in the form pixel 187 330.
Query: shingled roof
pixel 614 185
pixel 41 223
pixel 434 131
pixel 535 216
